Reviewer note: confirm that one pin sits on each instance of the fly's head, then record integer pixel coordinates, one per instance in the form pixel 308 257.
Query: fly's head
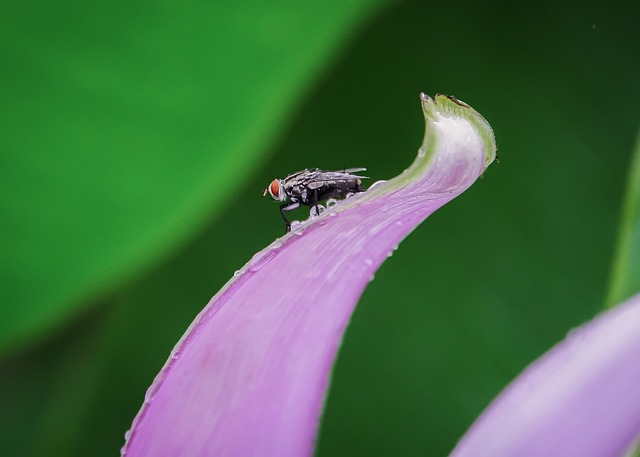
pixel 276 190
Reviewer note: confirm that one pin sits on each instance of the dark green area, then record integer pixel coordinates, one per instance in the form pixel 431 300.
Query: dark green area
pixel 481 289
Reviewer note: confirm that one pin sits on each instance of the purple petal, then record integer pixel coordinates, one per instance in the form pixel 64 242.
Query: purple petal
pixel 250 375
pixel 582 398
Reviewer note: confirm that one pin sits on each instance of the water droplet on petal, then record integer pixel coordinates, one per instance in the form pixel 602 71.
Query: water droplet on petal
pixel 331 202
pixel 421 152
pixel 148 397
pixel 313 213
pixel 377 183
pixel 297 228
pixel 262 258
pixel 237 273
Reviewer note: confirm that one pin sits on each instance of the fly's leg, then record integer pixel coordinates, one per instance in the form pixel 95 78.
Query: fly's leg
pixel 288 207
pixel 315 201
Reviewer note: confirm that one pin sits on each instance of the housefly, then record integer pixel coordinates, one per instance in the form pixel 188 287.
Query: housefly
pixel 311 186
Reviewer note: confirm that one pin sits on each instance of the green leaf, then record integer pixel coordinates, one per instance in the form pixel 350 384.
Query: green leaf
pixel 126 125
pixel 625 278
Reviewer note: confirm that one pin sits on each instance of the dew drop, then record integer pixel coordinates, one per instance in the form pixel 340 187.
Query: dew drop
pixel 313 213
pixel 262 258
pixel 148 397
pixel 237 273
pixel 377 183
pixel 127 435
pixel 421 152
pixel 297 228
pixel 331 202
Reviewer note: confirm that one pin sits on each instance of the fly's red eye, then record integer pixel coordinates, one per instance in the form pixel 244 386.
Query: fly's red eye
pixel 274 188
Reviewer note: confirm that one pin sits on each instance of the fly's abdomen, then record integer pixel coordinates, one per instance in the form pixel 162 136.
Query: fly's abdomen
pixel 339 189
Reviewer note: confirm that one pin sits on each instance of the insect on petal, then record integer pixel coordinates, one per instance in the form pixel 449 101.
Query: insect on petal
pixel 250 375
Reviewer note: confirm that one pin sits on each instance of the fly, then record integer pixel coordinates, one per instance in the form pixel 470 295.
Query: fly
pixel 311 186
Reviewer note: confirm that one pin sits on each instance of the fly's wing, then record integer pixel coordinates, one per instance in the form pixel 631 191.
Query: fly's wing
pixel 339 175
pixel 299 178
pixel 300 175
pixel 351 171
pixel 318 178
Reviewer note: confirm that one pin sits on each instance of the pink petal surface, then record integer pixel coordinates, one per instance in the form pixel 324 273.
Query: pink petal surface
pixel 582 398
pixel 250 375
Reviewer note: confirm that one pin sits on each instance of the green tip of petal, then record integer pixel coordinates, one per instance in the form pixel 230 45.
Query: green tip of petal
pixel 451 107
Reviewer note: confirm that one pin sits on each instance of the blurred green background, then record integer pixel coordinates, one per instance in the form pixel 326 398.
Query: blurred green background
pixel 136 139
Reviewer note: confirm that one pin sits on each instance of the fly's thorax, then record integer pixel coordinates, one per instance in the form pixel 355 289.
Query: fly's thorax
pixel 300 192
